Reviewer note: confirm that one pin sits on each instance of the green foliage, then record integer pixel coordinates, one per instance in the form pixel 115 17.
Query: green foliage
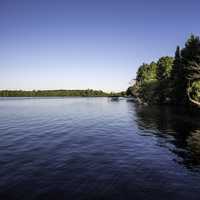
pixel 177 67
pixel 53 93
pixel 163 76
pixel 178 80
pixel 164 68
pixel 142 73
pixel 172 80
pixel 146 72
pixel 191 58
pixel 195 90
pixel 151 81
pixel 147 91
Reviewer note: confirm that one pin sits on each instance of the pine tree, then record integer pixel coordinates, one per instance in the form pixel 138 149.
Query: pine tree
pixel 191 63
pixel 178 80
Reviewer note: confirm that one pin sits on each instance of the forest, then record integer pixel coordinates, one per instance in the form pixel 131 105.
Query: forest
pixel 170 80
pixel 54 93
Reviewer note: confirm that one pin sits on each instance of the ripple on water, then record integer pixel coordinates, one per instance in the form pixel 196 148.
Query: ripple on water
pixel 92 148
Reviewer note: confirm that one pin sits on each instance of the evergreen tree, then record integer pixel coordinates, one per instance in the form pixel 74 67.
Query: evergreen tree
pixel 178 81
pixel 170 80
pixel 163 77
pixel 176 65
pixel 191 58
pixel 191 63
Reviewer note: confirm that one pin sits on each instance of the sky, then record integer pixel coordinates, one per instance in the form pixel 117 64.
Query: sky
pixel 80 44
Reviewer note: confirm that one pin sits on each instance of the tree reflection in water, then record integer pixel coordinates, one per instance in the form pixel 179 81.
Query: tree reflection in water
pixel 180 130
pixel 193 145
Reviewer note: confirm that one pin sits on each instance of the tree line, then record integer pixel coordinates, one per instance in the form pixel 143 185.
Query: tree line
pixel 54 93
pixel 171 80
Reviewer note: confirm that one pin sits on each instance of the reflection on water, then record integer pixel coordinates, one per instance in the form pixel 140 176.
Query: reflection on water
pixel 177 127
pixel 95 148
pixel 193 142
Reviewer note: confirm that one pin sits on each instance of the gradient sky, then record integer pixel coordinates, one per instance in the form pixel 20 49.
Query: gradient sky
pixel 80 44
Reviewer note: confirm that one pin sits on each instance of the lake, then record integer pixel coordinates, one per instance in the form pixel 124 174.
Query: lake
pixel 95 148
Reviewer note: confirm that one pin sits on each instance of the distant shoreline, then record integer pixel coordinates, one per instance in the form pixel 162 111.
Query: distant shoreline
pixel 59 93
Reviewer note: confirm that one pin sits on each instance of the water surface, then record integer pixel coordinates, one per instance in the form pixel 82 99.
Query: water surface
pixel 94 148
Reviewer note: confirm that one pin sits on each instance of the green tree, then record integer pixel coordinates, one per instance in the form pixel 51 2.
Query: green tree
pixel 163 76
pixel 164 68
pixel 170 80
pixel 142 73
pixel 191 63
pixel 146 72
pixel 178 80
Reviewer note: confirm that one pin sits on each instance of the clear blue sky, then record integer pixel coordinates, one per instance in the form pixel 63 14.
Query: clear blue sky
pixel 80 44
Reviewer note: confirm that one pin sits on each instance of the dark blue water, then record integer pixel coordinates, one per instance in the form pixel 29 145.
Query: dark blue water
pixel 94 148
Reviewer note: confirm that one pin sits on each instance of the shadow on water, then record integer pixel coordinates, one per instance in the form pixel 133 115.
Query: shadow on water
pixel 180 129
pixel 94 148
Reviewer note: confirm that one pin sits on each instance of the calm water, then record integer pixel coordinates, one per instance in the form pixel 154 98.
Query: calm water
pixel 93 148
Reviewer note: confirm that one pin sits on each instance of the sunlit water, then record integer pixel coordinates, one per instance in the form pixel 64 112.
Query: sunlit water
pixel 95 148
